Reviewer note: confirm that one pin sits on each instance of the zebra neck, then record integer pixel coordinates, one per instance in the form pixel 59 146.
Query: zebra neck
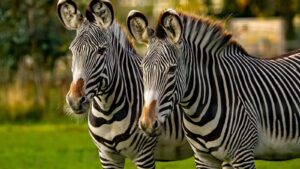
pixel 200 96
pixel 128 62
pixel 114 94
pixel 205 44
pixel 206 92
pixel 124 94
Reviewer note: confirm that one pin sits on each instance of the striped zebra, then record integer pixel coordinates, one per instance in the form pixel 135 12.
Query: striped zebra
pixel 237 108
pixel 107 82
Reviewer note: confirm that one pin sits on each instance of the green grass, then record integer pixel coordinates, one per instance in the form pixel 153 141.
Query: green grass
pixel 70 147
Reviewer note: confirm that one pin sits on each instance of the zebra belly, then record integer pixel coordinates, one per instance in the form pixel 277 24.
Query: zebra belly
pixel 277 148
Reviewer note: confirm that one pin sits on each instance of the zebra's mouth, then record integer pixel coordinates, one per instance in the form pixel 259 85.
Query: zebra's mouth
pixel 80 108
pixel 152 134
pixel 79 111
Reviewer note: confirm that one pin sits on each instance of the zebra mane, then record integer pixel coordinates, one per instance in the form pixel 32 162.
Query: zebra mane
pixel 203 28
pixel 122 36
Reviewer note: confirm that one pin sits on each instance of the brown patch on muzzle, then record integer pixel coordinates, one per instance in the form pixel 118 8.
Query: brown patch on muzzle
pixel 76 88
pixel 147 118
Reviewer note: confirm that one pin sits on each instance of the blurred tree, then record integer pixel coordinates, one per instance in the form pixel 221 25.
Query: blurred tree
pixel 30 28
pixel 199 7
pixel 30 31
pixel 287 9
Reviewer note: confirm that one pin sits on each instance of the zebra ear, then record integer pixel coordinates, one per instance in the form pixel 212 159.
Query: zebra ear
pixel 172 25
pixel 137 24
pixel 102 13
pixel 69 14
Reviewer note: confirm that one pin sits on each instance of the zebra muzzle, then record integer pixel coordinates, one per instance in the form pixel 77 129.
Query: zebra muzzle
pixel 148 121
pixel 75 97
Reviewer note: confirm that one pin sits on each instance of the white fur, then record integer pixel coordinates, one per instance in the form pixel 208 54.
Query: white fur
pixel 61 1
pixel 150 96
pixel 132 12
pixel 77 75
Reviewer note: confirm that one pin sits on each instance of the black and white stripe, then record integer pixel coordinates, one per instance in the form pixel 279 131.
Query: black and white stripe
pixel 237 108
pixel 109 66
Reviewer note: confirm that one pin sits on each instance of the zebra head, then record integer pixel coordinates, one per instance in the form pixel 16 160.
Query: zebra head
pixel 163 72
pixel 90 50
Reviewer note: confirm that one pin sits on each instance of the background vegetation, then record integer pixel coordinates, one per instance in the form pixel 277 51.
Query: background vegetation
pixel 34 57
pixel 35 75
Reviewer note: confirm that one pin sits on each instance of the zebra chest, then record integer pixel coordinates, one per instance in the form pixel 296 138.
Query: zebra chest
pixel 112 128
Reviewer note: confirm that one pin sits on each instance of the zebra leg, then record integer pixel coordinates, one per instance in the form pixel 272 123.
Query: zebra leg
pixel 145 156
pixel 111 160
pixel 244 157
pixel 247 162
pixel 206 161
pixel 244 154
pixel 145 161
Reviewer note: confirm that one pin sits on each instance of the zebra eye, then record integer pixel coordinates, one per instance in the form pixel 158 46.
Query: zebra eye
pixel 101 51
pixel 172 69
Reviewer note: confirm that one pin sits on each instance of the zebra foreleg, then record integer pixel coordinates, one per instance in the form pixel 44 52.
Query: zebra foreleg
pixel 145 160
pixel 244 154
pixel 247 163
pixel 244 158
pixel 110 160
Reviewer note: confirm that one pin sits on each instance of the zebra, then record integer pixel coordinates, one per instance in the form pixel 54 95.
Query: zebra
pixel 107 83
pixel 237 108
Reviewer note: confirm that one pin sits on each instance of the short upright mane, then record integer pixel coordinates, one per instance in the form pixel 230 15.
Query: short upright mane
pixel 119 32
pixel 204 28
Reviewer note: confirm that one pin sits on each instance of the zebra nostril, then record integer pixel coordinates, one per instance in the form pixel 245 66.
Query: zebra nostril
pixel 82 100
pixel 155 125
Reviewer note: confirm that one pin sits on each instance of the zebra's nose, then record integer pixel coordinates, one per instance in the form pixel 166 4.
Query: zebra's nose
pixel 75 98
pixel 153 131
pixel 76 104
pixel 148 121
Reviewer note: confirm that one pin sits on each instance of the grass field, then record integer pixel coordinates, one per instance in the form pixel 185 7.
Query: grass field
pixel 69 147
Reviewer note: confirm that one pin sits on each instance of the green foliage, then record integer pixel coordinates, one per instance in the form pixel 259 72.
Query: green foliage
pixel 20 104
pixel 30 28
